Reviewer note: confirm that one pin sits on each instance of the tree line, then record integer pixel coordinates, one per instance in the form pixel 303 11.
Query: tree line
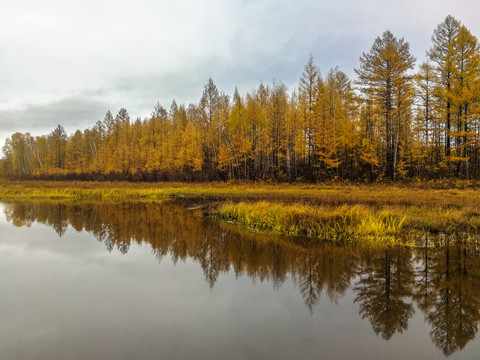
pixel 389 123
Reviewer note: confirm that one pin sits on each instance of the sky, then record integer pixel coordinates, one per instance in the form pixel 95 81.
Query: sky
pixel 69 62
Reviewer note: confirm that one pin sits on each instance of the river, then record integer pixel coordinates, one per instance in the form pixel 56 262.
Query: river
pixel 139 280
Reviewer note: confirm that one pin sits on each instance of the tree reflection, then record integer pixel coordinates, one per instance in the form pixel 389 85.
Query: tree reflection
pixel 444 283
pixel 385 282
pixel 455 307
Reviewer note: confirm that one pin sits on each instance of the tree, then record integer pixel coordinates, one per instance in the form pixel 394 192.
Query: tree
pixel 466 60
pixel 57 144
pixel 74 155
pixel 384 81
pixel 308 95
pixel 441 53
pixel 275 128
pixel 209 108
pixel 425 87
pixel 382 289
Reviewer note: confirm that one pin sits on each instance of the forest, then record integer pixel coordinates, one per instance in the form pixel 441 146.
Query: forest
pixel 394 121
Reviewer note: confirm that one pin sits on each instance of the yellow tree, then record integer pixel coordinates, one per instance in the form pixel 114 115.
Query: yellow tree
pixel 191 153
pixel 20 150
pixel 346 122
pixel 209 111
pixel 256 110
pixel 57 141
pixel 466 61
pixel 295 145
pixel 275 129
pixel 307 97
pixel 384 80
pixel 74 162
pixel 179 119
pixel 441 53
pixel 330 114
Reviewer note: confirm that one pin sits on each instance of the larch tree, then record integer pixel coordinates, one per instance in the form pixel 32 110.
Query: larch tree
pixel 441 53
pixel 466 60
pixel 209 111
pixel 275 128
pixel 58 142
pixel 425 87
pixel 383 78
pixel 346 122
pixel 255 112
pixel 308 89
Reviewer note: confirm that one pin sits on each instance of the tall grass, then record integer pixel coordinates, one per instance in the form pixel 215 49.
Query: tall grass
pixel 356 224
pixel 377 214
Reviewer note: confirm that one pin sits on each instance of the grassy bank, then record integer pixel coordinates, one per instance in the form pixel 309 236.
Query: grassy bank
pixel 374 214
pixel 77 191
pixel 321 194
pixel 356 224
pixel 344 223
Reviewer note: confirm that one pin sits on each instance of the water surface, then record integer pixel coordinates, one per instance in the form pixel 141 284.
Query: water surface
pixel 142 281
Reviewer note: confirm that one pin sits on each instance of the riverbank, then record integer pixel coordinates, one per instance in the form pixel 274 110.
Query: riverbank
pixel 359 224
pixel 372 214
pixel 315 194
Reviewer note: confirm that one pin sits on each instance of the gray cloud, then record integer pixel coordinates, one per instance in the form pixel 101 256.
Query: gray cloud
pixel 75 60
pixel 39 119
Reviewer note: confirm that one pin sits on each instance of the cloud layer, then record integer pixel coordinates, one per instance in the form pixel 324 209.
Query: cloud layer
pixel 69 62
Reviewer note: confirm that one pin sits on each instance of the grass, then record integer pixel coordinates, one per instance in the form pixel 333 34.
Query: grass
pixel 356 224
pixel 75 191
pixel 323 194
pixel 374 214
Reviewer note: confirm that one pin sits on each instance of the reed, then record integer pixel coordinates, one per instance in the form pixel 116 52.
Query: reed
pixel 357 224
pixel 375 214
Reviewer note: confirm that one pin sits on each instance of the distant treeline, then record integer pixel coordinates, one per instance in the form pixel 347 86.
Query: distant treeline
pixel 389 123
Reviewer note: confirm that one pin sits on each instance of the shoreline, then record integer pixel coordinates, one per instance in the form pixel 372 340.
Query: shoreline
pixel 372 215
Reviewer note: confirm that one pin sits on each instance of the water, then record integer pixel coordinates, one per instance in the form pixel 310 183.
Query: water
pixel 144 281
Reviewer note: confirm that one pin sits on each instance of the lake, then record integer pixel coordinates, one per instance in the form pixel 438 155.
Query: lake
pixel 137 280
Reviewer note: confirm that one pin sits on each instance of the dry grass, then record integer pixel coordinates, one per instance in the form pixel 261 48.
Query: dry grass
pixel 321 194
pixel 358 224
pixel 369 213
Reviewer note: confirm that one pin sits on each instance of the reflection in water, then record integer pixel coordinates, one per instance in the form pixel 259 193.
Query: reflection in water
pixel 384 285
pixel 442 282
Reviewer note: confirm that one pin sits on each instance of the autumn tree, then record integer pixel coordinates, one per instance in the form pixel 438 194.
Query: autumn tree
pixel 441 53
pixel 255 112
pixel 275 128
pixel 57 143
pixel 209 109
pixel 465 82
pixel 324 129
pixel 383 79
pixel 308 96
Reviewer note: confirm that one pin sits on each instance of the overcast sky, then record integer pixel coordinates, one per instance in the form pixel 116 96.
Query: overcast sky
pixel 68 62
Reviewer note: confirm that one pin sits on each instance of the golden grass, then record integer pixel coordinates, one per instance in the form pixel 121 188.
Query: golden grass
pixel 358 224
pixel 76 191
pixel 321 194
pixel 368 213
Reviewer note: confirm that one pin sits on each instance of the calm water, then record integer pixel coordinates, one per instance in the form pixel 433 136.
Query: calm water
pixel 150 281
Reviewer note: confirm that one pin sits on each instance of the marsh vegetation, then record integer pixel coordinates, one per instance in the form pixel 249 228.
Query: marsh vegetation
pixel 360 214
